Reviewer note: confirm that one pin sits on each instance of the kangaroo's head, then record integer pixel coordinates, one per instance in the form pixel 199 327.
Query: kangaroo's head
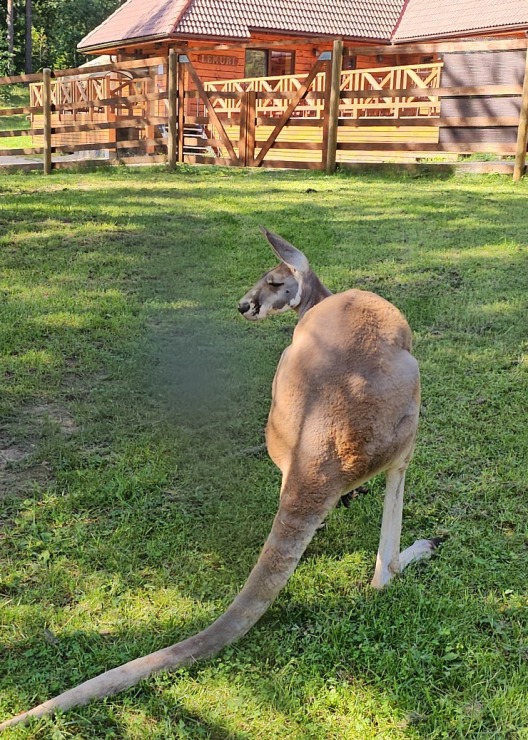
pixel 280 288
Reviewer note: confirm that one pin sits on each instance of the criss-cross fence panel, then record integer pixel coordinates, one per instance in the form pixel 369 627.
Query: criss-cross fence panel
pixel 106 111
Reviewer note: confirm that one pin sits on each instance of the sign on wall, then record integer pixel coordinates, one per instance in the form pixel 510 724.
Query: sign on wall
pixel 218 59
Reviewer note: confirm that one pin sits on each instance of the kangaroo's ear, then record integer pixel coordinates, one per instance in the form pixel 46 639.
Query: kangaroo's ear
pixel 287 253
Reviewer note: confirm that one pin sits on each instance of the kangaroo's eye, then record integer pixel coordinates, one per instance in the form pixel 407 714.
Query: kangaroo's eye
pixel 274 284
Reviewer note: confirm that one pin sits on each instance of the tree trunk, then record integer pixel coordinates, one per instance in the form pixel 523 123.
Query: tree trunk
pixel 10 32
pixel 29 45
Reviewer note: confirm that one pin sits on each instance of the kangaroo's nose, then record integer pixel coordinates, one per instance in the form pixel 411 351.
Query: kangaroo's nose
pixel 243 307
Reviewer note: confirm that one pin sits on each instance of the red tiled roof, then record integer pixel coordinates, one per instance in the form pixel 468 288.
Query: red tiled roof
pixel 377 20
pixel 440 18
pixel 137 19
pixel 369 19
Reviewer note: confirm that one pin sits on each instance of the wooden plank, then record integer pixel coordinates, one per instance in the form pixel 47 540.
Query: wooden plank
pixel 242 138
pixel 16 132
pixel 293 164
pixel 251 127
pixel 104 102
pixel 135 143
pixel 181 110
pixel 522 133
pixel 450 121
pixel 200 159
pixel 111 67
pixel 16 79
pixel 16 111
pixel 278 95
pixel 301 122
pixel 142 159
pixel 467 148
pixel 388 121
pixel 135 122
pixel 212 113
pixel 435 92
pixel 333 108
pixel 443 47
pixel 426 47
pixel 46 109
pixel 87 147
pixel 325 112
pixel 37 150
pixel 172 143
pixel 307 145
pixel 301 92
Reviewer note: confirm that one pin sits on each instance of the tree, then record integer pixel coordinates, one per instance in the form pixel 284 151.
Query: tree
pixel 29 41
pixel 45 33
pixel 10 26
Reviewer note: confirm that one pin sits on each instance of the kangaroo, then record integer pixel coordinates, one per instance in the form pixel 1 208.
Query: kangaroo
pixel 345 403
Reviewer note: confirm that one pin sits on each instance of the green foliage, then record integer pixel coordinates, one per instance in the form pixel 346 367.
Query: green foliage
pixel 134 498
pixel 6 63
pixel 58 26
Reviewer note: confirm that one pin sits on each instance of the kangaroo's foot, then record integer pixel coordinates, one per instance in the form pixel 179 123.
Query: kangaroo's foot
pixel 419 550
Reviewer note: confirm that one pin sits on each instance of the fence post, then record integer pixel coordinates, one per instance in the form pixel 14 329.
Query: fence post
pixel 172 143
pixel 181 108
pixel 333 107
pixel 46 111
pixel 250 131
pixel 246 141
pixel 522 133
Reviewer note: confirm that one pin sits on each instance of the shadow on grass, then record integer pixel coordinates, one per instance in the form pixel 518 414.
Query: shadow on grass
pixel 179 361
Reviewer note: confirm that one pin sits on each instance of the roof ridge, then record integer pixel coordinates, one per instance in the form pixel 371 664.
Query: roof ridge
pixel 400 18
pixel 186 4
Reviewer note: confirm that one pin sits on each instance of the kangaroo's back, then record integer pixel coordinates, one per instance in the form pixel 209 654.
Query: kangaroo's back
pixel 341 389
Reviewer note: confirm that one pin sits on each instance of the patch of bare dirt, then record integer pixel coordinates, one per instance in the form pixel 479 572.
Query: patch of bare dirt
pixel 19 470
pixel 52 412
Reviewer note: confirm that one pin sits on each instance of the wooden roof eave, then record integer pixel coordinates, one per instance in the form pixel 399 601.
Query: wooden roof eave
pixel 229 42
pixel 321 37
pixel 462 35
pixel 121 43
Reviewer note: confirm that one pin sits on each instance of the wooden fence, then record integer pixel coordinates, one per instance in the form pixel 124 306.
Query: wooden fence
pixel 159 110
pixel 102 110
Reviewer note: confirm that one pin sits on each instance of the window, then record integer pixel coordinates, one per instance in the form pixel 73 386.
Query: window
pixel 264 63
pixel 280 63
pixel 256 63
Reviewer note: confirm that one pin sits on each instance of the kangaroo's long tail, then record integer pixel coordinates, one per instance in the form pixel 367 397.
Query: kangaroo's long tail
pixel 288 539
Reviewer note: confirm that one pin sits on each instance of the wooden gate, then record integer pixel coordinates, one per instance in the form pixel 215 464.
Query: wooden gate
pixel 245 139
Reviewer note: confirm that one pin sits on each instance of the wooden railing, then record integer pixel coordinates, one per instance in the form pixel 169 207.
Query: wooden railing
pixel 383 78
pixel 392 78
pixel 89 90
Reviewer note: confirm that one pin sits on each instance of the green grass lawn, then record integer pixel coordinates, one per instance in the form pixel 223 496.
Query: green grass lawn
pixel 18 97
pixel 133 496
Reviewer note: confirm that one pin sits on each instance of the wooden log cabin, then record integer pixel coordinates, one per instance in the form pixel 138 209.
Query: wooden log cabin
pixel 273 44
